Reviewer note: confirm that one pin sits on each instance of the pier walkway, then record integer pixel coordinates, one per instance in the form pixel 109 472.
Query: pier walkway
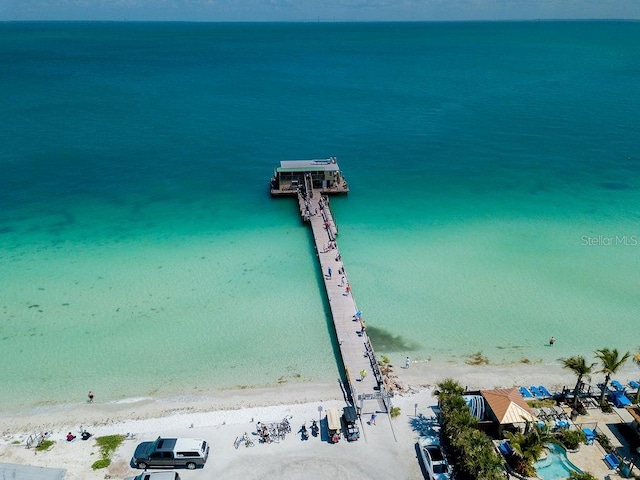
pixel 367 393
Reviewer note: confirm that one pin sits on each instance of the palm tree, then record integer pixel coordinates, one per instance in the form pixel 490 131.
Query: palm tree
pixel 611 363
pixel 578 365
pixel 529 446
pixel 479 458
pixel 449 386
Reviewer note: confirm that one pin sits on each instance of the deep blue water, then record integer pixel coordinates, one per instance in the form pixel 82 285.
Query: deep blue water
pixel 478 154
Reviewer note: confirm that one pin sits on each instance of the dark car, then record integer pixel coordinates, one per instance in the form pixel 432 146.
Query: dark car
pixel 350 418
pixel 171 452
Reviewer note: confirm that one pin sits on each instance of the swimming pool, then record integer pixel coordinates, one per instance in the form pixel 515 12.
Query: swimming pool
pixel 556 466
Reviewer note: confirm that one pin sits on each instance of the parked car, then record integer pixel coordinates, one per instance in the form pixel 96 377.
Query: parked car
pixel 350 418
pixel 171 452
pixel 334 426
pixel 433 458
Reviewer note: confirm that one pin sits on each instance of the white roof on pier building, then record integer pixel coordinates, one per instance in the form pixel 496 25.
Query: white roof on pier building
pixel 323 165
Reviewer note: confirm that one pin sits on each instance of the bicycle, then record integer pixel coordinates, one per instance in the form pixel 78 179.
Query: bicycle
pixel 243 439
pixel 285 425
pixel 281 432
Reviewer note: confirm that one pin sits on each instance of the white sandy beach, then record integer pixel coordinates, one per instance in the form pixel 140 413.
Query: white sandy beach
pixel 386 450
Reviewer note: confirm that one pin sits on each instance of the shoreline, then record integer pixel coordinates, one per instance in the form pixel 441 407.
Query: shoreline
pixel 385 450
pixel 50 418
pixel 419 377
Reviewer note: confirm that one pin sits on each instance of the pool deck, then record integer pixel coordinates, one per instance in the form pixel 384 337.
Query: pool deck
pixel 590 458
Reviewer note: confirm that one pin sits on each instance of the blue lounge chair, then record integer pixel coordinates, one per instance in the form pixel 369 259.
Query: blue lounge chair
pixel 525 393
pixel 590 434
pixel 619 399
pixel 612 461
pixel 544 391
pixel 560 424
pixel 536 392
pixel 505 449
pixel 617 385
pixel 635 385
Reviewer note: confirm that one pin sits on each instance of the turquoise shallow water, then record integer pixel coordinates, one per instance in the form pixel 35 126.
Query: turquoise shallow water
pixel 494 198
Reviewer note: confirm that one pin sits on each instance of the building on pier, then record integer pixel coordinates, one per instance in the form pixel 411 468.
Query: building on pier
pixel 324 174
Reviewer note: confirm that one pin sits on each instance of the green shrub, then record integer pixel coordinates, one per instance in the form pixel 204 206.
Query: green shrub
pixel 45 445
pixel 571 439
pixel 582 410
pixel 582 476
pixel 395 411
pixel 102 463
pixel 384 360
pixel 604 442
pixel 606 407
pixel 109 444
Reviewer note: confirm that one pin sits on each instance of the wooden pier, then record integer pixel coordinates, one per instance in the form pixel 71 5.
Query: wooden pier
pixel 356 350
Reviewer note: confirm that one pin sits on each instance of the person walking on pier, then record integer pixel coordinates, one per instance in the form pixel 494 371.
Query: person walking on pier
pixel 329 272
pixel 347 290
pixel 363 374
pixel 372 421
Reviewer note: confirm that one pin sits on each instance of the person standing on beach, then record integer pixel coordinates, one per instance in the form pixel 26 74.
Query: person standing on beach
pixel 407 362
pixel 90 396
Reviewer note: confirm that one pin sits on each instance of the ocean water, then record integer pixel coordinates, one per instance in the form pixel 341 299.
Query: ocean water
pixel 494 174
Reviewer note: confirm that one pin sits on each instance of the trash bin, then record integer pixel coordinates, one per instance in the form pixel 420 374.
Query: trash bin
pixel 625 470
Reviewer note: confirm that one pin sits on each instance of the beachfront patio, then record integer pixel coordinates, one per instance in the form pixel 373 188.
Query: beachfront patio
pixel 590 458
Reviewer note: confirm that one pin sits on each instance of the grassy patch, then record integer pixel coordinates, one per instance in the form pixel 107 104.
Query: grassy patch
pixel 108 445
pixel 541 403
pixel 45 445
pixel 102 463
